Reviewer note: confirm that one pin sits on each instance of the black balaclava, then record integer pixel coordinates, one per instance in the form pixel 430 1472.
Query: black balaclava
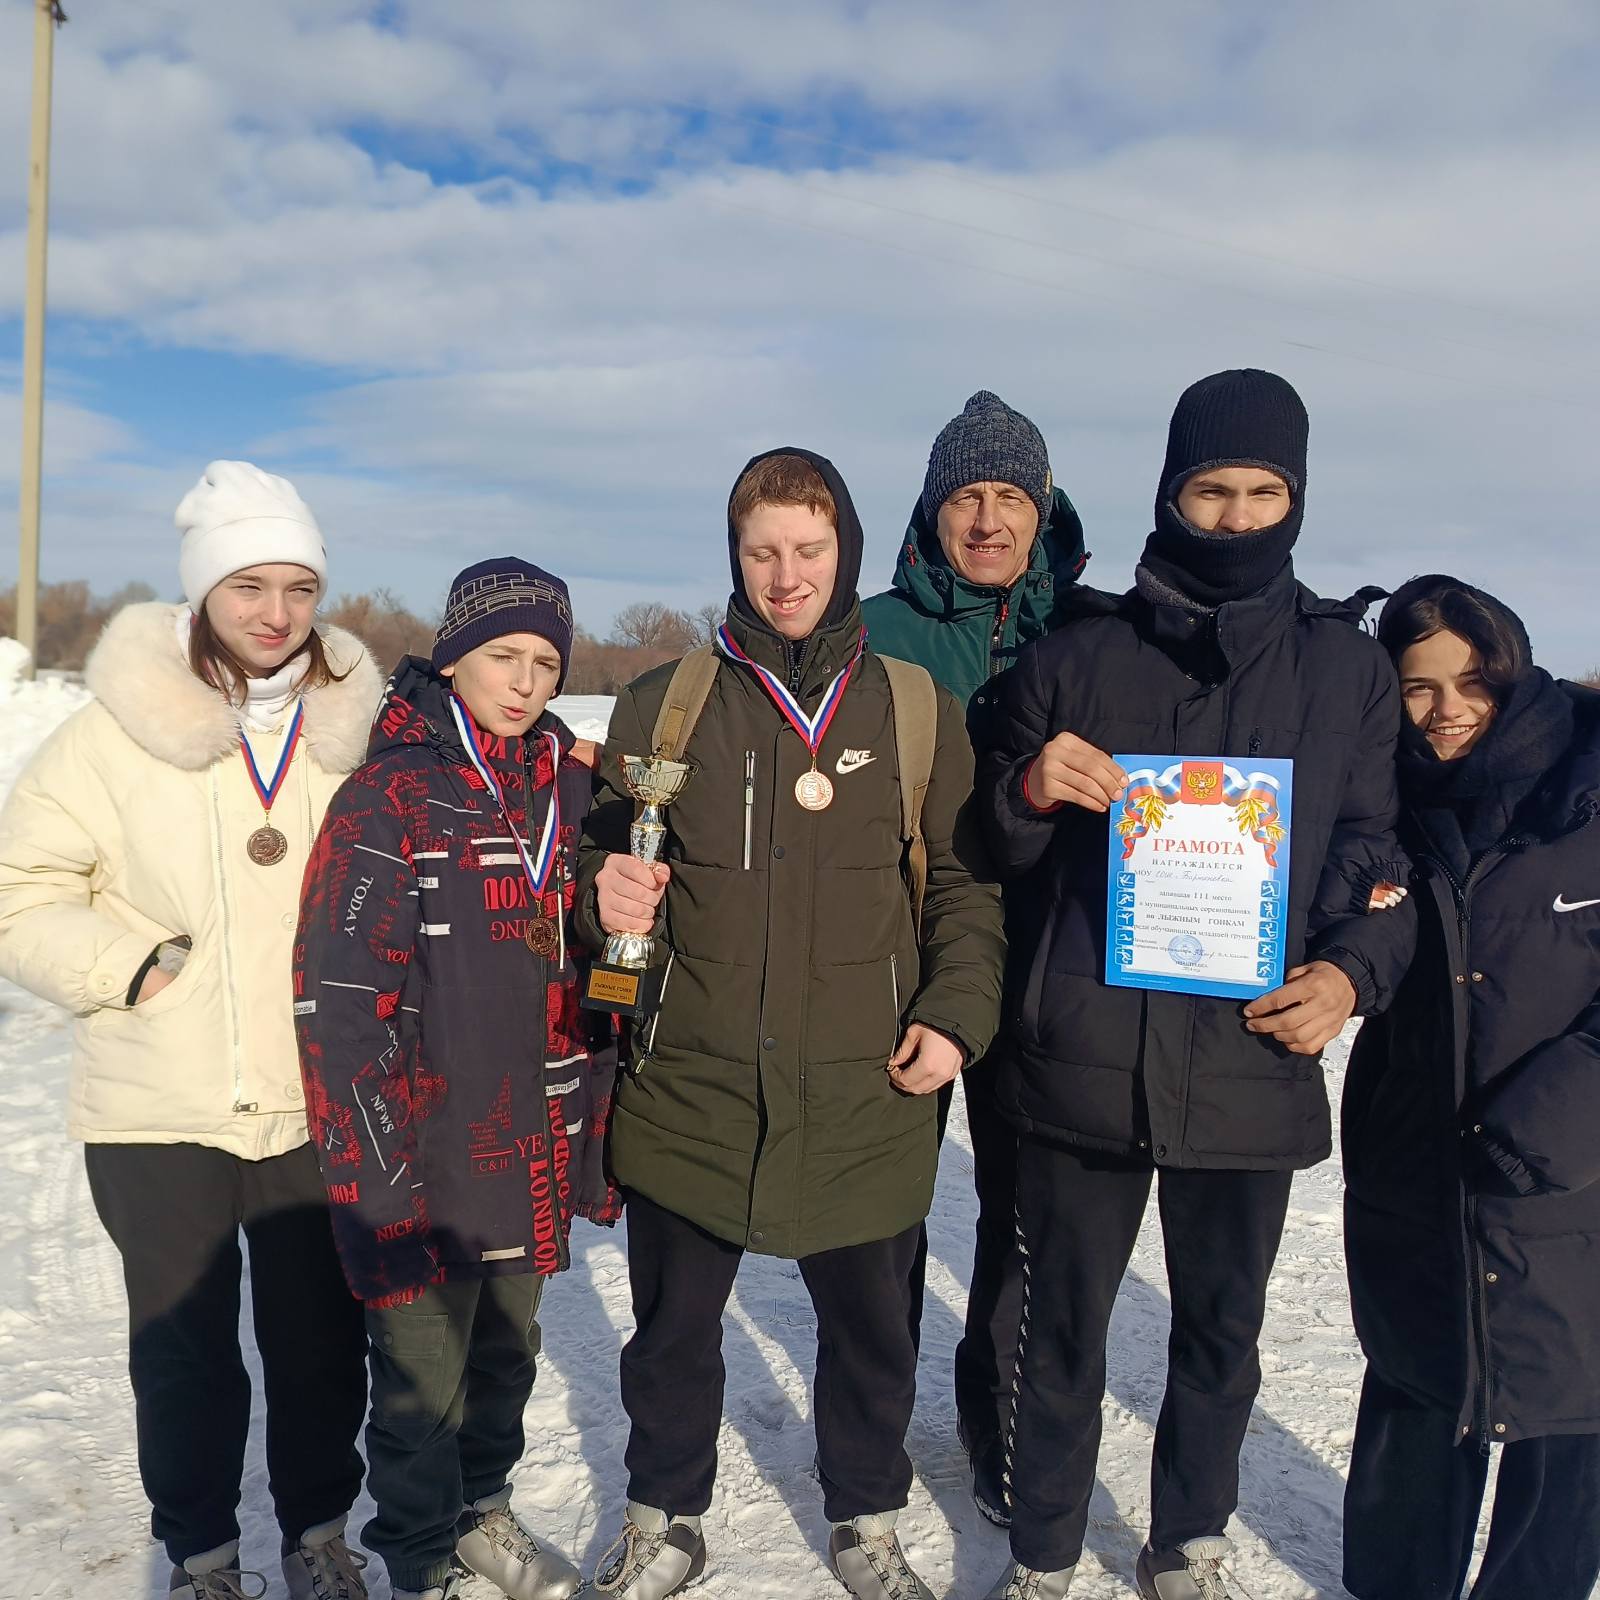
pixel 1240 418
pixel 851 540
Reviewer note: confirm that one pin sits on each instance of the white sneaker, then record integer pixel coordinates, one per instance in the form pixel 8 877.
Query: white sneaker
pixel 498 1547
pixel 866 1558
pixel 215 1575
pixel 1191 1572
pixel 321 1566
pixel 1026 1583
pixel 654 1556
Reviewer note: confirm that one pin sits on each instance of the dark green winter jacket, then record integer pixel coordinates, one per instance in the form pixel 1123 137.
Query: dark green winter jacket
pixel 962 633
pixel 764 1111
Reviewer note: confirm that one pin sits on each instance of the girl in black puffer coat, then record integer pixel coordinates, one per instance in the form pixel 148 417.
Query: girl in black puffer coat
pixel 1472 1131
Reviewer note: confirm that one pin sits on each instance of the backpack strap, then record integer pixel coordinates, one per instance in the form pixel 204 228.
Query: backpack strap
pixel 916 727
pixel 685 700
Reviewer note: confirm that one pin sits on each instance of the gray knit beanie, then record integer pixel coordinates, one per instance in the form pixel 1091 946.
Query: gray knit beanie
pixel 987 443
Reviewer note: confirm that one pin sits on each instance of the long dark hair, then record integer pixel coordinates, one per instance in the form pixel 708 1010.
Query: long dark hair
pixel 213 662
pixel 1436 604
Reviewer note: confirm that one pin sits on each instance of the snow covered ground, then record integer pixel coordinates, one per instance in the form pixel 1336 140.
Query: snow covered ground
pixel 73 1521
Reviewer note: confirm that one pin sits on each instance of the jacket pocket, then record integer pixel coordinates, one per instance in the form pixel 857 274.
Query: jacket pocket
pixel 168 999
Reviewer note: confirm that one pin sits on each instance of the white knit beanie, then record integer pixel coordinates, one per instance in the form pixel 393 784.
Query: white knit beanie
pixel 238 515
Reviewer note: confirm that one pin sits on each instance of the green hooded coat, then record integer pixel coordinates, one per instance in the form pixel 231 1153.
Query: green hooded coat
pixel 964 633
pixel 763 1111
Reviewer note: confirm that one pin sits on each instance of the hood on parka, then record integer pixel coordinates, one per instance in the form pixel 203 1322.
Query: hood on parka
pixel 851 542
pixel 924 575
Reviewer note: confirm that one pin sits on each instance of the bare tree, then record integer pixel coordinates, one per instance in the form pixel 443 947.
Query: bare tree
pixel 649 625
pixel 705 620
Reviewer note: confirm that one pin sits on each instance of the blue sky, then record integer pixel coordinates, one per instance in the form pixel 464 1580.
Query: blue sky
pixel 540 278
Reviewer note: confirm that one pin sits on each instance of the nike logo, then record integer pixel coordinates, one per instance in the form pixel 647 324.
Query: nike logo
pixel 853 761
pixel 1573 905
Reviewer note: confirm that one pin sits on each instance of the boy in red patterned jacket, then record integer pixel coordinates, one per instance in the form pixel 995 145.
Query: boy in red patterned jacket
pixel 457 1096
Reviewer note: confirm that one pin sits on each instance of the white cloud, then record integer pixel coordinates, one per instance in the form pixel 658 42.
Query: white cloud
pixel 1085 214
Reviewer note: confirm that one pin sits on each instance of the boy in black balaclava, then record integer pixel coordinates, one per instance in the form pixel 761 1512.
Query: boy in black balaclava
pixel 1217 652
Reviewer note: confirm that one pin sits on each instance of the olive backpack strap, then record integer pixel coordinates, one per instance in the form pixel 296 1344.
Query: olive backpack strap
pixel 685 700
pixel 916 728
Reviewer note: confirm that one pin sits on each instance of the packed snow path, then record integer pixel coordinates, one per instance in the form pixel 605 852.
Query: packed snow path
pixel 73 1521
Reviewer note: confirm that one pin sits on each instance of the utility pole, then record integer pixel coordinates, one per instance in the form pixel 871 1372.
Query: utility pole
pixel 48 15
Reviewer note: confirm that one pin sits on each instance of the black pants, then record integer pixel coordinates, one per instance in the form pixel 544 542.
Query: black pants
pixel 174 1211
pixel 1415 1491
pixel 1078 1218
pixel 451 1376
pixel 672 1372
pixel 986 1358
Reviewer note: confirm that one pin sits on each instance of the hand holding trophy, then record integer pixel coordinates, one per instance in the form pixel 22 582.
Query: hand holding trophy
pixel 628 976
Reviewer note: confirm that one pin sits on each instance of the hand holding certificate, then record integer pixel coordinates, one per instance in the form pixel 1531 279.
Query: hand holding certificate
pixel 1198 879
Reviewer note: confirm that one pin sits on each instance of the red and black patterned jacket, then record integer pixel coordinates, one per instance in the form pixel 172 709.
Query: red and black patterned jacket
pixel 458 1099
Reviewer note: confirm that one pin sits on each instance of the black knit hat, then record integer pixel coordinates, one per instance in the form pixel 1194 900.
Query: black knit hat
pixel 987 443
pixel 501 596
pixel 1240 418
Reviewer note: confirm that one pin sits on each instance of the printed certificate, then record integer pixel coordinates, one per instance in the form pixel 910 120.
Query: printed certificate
pixel 1197 880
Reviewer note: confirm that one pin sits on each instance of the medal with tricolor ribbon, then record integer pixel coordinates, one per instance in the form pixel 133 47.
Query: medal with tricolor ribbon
pixel 813 789
pixel 267 846
pixel 545 936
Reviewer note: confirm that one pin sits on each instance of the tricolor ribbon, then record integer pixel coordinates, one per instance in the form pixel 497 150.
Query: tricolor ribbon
pixel 536 867
pixel 268 792
pixel 812 729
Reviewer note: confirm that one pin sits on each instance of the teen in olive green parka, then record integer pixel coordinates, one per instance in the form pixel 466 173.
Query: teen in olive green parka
pixel 764 1112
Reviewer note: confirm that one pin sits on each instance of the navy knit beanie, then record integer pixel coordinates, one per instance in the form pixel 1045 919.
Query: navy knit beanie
pixel 987 443
pixel 501 596
pixel 1240 418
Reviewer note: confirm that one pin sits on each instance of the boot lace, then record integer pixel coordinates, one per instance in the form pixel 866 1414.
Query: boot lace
pixel 1207 1574
pixel 888 1563
pixel 635 1550
pixel 227 1583
pixel 502 1528
pixel 335 1570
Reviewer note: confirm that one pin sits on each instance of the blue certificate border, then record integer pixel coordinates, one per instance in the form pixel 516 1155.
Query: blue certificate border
pixel 1122 887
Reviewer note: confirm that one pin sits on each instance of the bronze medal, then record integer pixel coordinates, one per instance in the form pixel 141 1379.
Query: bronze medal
pixel 814 790
pixel 542 937
pixel 266 846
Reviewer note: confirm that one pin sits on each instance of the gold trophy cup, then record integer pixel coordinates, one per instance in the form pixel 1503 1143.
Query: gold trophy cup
pixel 628 978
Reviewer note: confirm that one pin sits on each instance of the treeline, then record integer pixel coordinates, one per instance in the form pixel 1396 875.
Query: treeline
pixel 643 635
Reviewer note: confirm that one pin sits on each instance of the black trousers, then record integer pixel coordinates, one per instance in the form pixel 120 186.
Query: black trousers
pixel 672 1371
pixel 1078 1219
pixel 986 1358
pixel 451 1376
pixel 174 1211
pixel 1415 1491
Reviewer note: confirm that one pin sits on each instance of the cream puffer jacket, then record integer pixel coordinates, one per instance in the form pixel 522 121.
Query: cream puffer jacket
pixel 129 827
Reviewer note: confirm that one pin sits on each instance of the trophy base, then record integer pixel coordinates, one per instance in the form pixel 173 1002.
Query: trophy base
pixel 628 991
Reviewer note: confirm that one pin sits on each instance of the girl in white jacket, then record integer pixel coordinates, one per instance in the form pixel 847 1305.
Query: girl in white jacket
pixel 150 865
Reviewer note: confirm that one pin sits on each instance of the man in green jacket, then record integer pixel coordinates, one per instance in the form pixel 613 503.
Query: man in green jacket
pixel 990 561
pixel 786 1102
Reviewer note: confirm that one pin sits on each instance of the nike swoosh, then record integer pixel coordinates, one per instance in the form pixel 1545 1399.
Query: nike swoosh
pixel 843 766
pixel 1573 905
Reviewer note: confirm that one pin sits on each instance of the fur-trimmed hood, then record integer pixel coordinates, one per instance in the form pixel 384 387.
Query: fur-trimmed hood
pixel 140 676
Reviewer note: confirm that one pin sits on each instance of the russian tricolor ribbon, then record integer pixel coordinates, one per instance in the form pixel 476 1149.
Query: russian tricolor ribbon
pixel 536 866
pixel 812 729
pixel 267 792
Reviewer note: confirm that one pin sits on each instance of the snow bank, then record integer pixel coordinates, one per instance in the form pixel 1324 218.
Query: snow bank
pixel 75 1519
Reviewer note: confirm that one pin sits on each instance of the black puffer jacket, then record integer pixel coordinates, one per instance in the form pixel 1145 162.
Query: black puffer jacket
pixel 1278 674
pixel 1471 1126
